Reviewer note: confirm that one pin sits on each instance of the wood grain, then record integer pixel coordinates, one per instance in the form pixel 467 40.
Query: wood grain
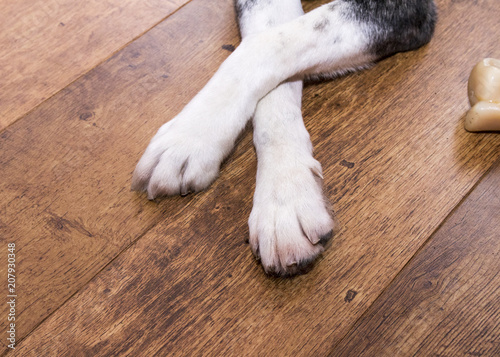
pixel 45 45
pixel 446 302
pixel 66 167
pixel 189 286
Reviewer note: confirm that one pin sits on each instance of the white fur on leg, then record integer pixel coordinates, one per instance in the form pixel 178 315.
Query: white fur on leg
pixel 290 222
pixel 185 155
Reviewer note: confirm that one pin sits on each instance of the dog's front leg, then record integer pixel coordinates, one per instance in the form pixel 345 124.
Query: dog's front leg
pixel 290 222
pixel 186 153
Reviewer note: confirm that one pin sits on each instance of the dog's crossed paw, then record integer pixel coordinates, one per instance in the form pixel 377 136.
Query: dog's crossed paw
pixel 178 160
pixel 290 223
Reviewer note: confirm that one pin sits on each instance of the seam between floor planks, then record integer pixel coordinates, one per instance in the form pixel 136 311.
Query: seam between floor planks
pixel 83 74
pixel 414 256
pixel 57 92
pixel 435 278
pixel 157 216
pixel 354 323
pixel 159 221
pixel 24 115
pixel 85 284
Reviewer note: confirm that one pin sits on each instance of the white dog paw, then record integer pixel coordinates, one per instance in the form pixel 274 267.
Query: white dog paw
pixel 290 222
pixel 180 159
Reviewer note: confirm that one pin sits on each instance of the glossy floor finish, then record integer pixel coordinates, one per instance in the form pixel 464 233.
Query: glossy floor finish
pixel 101 271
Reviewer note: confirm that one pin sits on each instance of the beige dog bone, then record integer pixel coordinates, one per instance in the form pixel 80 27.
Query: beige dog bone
pixel 484 116
pixel 484 82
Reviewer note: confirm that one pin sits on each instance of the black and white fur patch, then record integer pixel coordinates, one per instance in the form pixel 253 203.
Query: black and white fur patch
pixel 261 80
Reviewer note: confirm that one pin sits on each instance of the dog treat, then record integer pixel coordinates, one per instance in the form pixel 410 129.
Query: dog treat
pixel 483 116
pixel 484 96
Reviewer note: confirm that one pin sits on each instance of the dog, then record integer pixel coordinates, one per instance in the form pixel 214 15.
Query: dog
pixel 290 222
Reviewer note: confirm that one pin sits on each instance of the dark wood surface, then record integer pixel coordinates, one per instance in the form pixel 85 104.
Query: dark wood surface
pixel 446 302
pixel 103 271
pixel 47 44
pixel 68 213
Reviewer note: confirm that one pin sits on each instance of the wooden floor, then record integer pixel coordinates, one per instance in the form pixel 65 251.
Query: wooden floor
pixel 101 271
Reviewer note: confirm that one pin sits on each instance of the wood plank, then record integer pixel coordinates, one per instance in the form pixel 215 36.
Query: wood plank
pixel 190 286
pixel 45 45
pixel 66 167
pixel 446 302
